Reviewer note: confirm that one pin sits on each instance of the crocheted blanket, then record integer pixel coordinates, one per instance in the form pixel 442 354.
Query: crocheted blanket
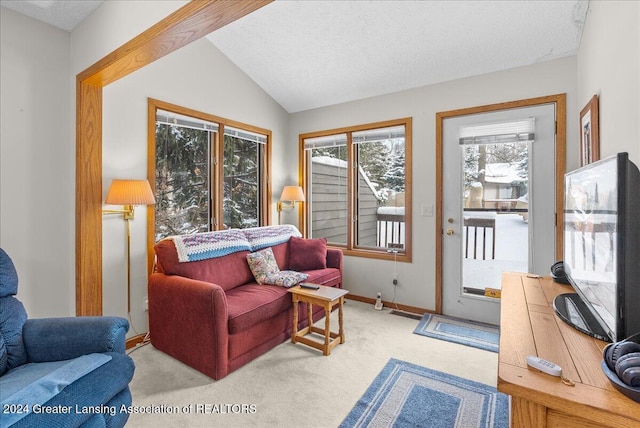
pixel 268 236
pixel 209 245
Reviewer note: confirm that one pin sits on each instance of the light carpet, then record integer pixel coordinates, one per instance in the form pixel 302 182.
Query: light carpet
pixel 470 333
pixel 292 384
pixel 406 395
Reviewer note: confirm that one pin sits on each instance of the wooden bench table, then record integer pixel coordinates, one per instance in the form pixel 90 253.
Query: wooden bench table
pixel 327 297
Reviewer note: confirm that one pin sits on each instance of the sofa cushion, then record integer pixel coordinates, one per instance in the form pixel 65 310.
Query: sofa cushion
pixel 37 383
pixel 285 278
pixel 328 276
pixel 262 263
pixel 250 304
pixel 3 356
pixel 8 276
pixel 106 385
pixel 12 319
pixel 281 253
pixel 228 271
pixel 307 254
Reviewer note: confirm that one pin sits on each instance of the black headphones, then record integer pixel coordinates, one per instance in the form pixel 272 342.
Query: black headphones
pixel 558 274
pixel 623 358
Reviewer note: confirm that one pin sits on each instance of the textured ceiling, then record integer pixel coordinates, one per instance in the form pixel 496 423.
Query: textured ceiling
pixel 309 54
pixel 62 14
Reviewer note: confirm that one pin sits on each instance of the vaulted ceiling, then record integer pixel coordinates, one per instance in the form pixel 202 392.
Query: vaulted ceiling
pixel 309 54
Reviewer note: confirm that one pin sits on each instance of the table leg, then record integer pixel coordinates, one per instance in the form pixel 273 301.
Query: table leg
pixel 310 315
pixel 525 413
pixel 327 330
pixel 340 325
pixel 294 331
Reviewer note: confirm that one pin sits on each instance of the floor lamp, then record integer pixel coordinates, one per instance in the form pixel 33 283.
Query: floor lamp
pixel 128 193
pixel 290 195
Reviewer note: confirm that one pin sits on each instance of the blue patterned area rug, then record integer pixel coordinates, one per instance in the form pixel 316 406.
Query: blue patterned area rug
pixel 465 332
pixel 407 395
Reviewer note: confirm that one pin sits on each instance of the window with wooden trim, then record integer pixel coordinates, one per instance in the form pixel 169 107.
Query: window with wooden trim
pixel 208 173
pixel 358 186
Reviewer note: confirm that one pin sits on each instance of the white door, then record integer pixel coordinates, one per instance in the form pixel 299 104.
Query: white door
pixel 498 204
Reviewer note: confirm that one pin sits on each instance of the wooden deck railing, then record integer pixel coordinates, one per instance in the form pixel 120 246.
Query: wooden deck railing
pixel 390 230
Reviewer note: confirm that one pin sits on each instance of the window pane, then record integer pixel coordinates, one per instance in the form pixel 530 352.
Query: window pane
pixel 327 198
pixel 496 211
pixel 242 160
pixel 380 195
pixel 182 181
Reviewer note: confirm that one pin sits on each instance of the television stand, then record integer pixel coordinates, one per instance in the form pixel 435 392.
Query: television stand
pixel 529 326
pixel 571 309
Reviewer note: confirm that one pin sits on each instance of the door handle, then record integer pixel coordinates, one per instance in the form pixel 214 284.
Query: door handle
pixel 450 232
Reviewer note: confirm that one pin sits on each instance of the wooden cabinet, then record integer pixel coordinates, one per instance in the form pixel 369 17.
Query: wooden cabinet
pixel 529 326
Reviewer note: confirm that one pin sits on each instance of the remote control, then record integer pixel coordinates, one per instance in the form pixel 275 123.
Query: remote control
pixel 544 366
pixel 310 286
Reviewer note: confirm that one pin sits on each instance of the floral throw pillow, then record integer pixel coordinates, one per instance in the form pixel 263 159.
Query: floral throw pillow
pixel 285 278
pixel 262 263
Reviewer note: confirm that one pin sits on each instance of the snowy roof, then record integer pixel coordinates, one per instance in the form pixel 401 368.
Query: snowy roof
pixel 503 173
pixel 391 210
pixel 327 160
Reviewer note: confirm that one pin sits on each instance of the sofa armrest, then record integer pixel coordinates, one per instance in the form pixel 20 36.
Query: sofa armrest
pixel 56 339
pixel 334 258
pixel 188 320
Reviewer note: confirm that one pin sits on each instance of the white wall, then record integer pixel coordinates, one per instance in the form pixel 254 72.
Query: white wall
pixel 36 152
pixel 364 277
pixel 197 76
pixel 113 24
pixel 609 65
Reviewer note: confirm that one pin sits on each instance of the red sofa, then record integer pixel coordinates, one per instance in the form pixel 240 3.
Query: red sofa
pixel 212 315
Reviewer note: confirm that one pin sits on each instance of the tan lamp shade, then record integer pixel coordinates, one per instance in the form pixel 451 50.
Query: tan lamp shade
pixel 292 194
pixel 130 192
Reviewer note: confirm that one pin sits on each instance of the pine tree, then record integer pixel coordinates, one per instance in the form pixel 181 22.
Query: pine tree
pixel 240 182
pixel 394 176
pixel 182 180
pixel 373 157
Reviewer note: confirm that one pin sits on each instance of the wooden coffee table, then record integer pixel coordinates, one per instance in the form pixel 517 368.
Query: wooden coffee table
pixel 327 297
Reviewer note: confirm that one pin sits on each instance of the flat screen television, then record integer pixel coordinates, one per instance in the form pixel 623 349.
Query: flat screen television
pixel 602 242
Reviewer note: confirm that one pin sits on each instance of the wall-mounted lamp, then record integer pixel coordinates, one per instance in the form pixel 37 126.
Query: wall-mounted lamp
pixel 128 193
pixel 290 195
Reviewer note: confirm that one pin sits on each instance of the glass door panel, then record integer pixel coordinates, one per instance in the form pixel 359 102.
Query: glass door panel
pixel 495 231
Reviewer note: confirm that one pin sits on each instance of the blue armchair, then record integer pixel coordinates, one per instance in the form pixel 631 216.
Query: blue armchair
pixel 60 372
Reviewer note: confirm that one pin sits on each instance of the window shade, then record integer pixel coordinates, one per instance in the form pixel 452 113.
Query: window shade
pixel 325 141
pixel 245 135
pixel 506 132
pixel 380 134
pixel 175 119
pixel 367 136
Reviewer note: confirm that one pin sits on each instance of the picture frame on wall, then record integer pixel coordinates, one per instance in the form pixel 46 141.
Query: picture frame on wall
pixel 589 132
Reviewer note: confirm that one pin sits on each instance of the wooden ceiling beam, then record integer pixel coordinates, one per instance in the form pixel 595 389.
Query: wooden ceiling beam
pixel 191 22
